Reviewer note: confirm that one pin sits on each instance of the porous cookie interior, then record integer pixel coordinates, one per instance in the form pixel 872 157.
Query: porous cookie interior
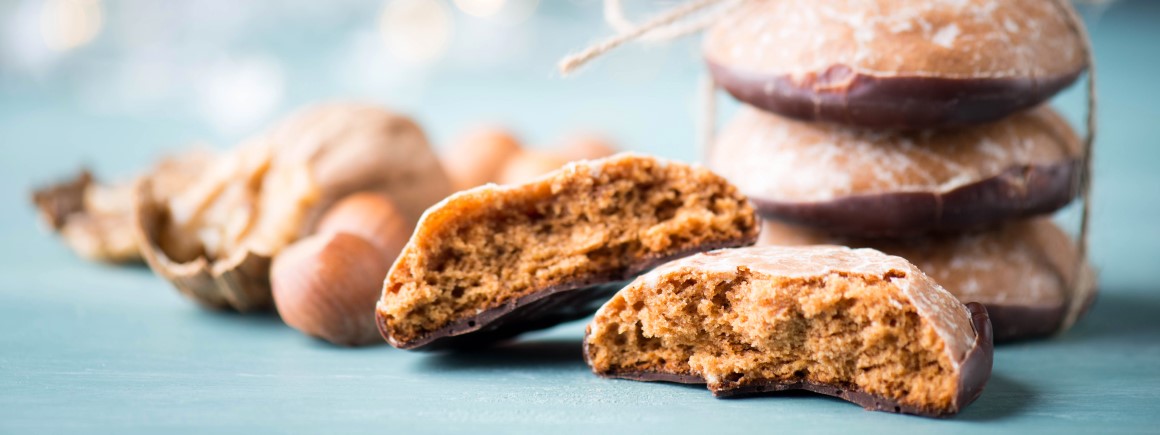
pixel 585 225
pixel 851 331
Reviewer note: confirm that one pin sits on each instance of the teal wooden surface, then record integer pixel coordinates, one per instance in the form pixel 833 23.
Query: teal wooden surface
pixel 92 348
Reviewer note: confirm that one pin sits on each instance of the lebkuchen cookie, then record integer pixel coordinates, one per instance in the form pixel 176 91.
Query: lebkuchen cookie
pixel 493 261
pixel 895 63
pixel 873 183
pixel 851 323
pixel 1023 271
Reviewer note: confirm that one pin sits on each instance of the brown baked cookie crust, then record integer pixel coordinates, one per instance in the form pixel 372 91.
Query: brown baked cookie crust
pixel 1022 271
pixel 895 63
pixel 856 324
pixel 873 183
pixel 493 261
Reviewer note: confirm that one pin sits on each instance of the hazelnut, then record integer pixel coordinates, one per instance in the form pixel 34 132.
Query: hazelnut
pixel 528 165
pixel 372 216
pixel 326 286
pixel 478 157
pixel 586 146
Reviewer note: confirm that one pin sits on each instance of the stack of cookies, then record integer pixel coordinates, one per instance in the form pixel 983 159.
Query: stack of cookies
pixel 916 128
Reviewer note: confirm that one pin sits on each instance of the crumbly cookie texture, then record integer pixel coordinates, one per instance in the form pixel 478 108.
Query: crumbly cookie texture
pixel 1022 271
pixel 493 261
pixel 853 323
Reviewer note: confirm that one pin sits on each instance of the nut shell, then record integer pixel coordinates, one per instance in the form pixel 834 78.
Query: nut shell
pixel 586 146
pixel 240 282
pixel 96 219
pixel 478 157
pixel 326 286
pixel 214 240
pixel 371 216
pixel 337 150
pixel 530 164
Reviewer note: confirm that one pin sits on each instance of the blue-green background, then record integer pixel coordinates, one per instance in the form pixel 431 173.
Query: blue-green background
pixel 94 348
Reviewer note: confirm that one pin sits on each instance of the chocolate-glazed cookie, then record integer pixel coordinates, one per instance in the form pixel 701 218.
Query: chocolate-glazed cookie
pixel 895 63
pixel 852 323
pixel 493 261
pixel 1023 271
pixel 872 183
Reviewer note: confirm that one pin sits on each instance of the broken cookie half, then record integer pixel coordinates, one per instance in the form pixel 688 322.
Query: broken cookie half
pixel 490 262
pixel 857 324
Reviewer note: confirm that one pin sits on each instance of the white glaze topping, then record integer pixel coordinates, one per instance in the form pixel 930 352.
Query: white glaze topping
pixel 774 158
pixel 936 38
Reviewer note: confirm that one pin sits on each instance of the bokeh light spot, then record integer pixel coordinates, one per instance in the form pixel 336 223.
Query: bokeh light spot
pixel 416 31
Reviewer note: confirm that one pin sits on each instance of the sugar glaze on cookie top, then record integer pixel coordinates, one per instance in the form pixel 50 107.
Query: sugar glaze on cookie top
pixel 895 63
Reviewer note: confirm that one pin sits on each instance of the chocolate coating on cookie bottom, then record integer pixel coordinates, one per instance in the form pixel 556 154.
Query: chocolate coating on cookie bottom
pixel 1015 193
pixel 975 370
pixel 1014 323
pixel 890 102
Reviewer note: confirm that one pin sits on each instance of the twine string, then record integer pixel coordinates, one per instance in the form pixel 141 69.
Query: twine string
pixel 666 19
pixel 1083 284
pixel 614 15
